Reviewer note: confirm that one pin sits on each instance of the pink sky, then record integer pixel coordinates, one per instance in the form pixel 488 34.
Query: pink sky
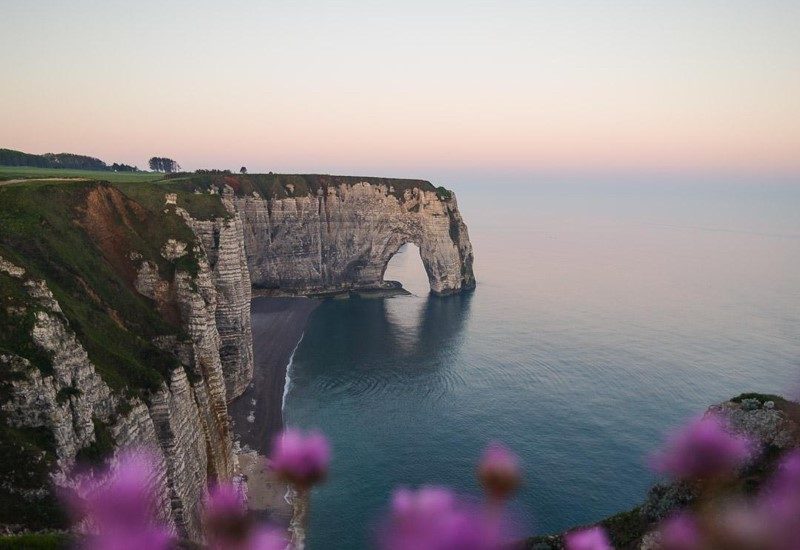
pixel 515 86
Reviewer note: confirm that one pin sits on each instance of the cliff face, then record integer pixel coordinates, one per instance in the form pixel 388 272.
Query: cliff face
pixel 342 237
pixel 224 243
pixel 125 314
pixel 185 422
pixel 60 406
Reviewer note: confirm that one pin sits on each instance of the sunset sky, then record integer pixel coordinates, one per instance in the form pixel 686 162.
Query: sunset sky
pixel 411 88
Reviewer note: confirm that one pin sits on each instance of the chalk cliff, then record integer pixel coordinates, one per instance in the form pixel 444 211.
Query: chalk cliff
pixel 185 420
pixel 125 313
pixel 341 237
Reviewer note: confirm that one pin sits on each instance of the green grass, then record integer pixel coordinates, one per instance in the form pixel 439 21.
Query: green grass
pixel 781 403
pixel 36 541
pixel 32 172
pixel 43 230
pixel 281 186
pixel 17 313
pixel 147 188
pixel 28 458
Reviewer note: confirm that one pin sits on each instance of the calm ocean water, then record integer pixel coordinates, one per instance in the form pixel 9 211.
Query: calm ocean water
pixel 604 315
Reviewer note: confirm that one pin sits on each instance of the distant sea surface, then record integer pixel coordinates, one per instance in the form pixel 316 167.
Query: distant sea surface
pixel 604 315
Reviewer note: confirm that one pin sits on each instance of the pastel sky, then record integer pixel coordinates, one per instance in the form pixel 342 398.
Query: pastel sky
pixel 408 88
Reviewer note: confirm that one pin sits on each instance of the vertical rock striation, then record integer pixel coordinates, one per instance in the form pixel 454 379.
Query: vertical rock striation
pixel 224 245
pixel 185 422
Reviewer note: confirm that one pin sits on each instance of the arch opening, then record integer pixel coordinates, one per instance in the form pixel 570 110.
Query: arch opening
pixel 406 267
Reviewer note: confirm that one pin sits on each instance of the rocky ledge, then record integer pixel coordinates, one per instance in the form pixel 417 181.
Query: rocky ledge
pixel 769 420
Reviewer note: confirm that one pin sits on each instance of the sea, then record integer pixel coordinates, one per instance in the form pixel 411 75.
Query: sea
pixel 605 315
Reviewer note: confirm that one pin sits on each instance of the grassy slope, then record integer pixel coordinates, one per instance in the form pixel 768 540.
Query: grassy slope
pixel 45 227
pixel 32 172
pixel 39 541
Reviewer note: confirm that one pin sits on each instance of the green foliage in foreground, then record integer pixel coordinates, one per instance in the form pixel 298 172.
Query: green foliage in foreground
pixel 38 541
pixel 625 530
pixel 27 460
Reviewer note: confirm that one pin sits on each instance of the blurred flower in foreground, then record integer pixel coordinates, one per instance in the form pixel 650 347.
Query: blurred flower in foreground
pixel 769 521
pixel 593 538
pixel 228 525
pixel 268 538
pixel 703 448
pixel 434 518
pixel 499 471
pixel 299 459
pixel 119 506
pixel 779 503
pixel 680 532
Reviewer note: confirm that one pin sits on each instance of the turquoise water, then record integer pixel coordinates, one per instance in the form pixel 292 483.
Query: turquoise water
pixel 603 316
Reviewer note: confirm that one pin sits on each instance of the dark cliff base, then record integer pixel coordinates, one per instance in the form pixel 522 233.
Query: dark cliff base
pixel 278 324
pixel 387 289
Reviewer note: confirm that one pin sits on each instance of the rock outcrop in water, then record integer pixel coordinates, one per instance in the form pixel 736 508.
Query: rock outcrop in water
pixel 342 237
pixel 769 420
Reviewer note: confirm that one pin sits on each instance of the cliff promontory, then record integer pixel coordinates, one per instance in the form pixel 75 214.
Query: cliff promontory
pixel 125 312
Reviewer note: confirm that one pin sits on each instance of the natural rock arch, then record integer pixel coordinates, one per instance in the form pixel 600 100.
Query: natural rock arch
pixel 342 237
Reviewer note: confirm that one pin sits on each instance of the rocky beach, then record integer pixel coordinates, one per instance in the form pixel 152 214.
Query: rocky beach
pixel 278 324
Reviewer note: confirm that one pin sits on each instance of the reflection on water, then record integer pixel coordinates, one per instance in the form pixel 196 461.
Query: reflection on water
pixel 602 317
pixel 369 346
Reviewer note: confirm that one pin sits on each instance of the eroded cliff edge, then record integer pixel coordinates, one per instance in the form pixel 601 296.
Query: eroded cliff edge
pixel 122 326
pixel 338 235
pixel 125 314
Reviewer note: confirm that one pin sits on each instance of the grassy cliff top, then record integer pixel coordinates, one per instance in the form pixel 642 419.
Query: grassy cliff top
pixel 185 184
pixel 281 186
pixel 79 236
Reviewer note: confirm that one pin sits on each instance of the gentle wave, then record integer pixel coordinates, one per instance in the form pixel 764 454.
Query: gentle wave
pixel 288 375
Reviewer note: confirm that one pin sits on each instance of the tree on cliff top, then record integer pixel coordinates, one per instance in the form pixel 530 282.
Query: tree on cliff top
pixel 164 164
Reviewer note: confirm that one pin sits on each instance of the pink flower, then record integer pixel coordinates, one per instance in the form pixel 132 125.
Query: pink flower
pixel 703 448
pixel 120 506
pixel 499 471
pixel 268 538
pixel 300 459
pixel 127 498
pixel 779 502
pixel 225 518
pixel 434 518
pixel 680 532
pixel 593 538
pixel 229 527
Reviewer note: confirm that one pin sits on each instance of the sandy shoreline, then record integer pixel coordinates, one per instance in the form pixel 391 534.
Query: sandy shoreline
pixel 278 324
